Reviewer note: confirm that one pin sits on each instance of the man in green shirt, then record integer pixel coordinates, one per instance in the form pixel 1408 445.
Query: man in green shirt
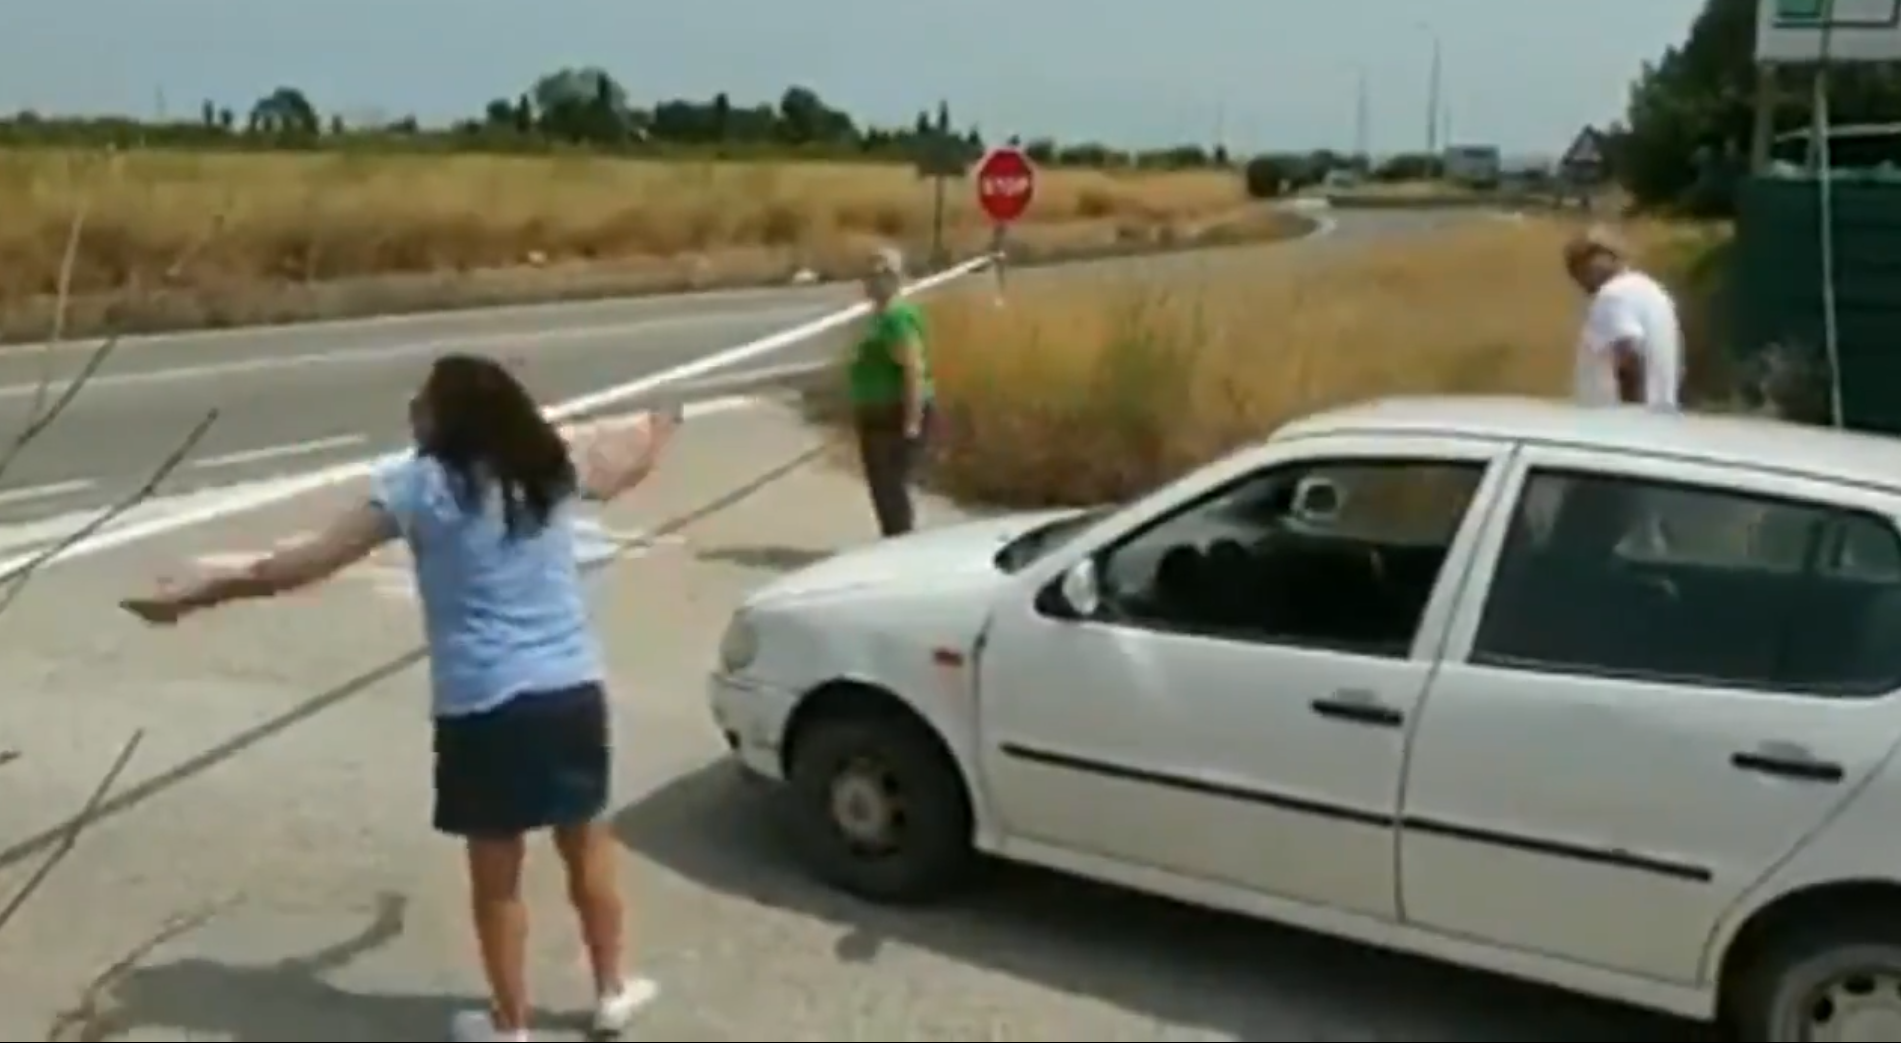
pixel 889 383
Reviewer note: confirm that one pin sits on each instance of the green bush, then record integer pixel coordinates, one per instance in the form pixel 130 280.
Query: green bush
pixel 1267 177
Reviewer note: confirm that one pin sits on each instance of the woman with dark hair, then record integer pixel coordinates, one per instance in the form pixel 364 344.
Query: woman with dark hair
pixel 485 504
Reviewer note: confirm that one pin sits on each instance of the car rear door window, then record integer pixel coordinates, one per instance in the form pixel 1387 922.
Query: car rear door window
pixel 1700 585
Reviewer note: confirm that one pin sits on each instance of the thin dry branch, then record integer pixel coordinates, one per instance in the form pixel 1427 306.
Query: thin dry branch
pixel 68 262
pixel 22 573
pixel 43 418
pixel 89 1019
pixel 39 417
pixel 70 838
pixel 42 415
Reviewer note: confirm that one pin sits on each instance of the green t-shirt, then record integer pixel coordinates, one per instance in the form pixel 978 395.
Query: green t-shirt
pixel 876 376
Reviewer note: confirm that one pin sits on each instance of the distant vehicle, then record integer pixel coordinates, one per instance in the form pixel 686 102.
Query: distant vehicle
pixel 1473 166
pixel 1850 146
pixel 1600 698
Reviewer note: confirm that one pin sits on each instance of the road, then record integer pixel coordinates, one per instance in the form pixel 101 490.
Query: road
pixel 259 868
pixel 298 397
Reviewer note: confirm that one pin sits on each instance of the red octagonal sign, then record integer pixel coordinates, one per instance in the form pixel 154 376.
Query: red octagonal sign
pixel 1006 182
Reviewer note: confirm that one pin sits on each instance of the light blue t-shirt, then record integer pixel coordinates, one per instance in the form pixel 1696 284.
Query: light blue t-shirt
pixel 504 617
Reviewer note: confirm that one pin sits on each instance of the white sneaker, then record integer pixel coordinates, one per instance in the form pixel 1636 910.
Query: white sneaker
pixel 476 1026
pixel 616 1010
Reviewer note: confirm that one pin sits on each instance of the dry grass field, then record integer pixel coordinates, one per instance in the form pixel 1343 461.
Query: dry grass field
pixel 1086 392
pixel 230 220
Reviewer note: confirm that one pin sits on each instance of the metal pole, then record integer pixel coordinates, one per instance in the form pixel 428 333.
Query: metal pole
pixel 1433 89
pixel 938 215
pixel 1825 216
pixel 1763 130
pixel 1362 120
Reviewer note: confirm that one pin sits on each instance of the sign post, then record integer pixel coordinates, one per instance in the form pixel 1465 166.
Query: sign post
pixel 1006 185
pixel 941 156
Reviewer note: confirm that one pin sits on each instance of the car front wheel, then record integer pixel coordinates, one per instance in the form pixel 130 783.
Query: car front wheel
pixel 1824 986
pixel 879 810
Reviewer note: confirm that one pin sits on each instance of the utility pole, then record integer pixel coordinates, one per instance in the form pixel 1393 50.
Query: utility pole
pixel 1362 120
pixel 1434 88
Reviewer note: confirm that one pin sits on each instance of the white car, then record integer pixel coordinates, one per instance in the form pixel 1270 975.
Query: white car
pixel 1602 698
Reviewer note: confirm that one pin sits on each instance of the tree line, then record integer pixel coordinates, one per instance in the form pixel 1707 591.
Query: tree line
pixel 587 109
pixel 1685 137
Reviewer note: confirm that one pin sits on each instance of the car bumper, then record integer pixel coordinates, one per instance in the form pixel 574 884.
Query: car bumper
pixel 752 717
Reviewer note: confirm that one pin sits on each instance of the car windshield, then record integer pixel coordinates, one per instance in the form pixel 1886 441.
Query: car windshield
pixel 1030 547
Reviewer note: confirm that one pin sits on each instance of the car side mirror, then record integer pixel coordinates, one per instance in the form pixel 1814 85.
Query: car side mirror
pixel 1080 592
pixel 1318 501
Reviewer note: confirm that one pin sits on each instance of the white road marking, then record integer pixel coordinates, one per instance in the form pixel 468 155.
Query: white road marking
pixel 279 490
pixel 41 492
pixel 43 531
pixel 201 504
pixel 724 404
pixel 277 452
pixel 761 376
pixel 265 363
pixel 770 374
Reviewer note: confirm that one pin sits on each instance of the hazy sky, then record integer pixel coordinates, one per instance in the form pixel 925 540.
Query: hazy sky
pixel 1524 74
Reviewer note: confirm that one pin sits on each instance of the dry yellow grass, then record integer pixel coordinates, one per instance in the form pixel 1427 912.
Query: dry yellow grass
pixel 246 218
pixel 1086 392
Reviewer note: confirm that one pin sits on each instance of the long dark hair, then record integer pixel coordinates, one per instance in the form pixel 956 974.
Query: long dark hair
pixel 480 424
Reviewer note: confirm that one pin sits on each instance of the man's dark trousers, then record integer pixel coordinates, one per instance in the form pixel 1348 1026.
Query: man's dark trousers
pixel 890 459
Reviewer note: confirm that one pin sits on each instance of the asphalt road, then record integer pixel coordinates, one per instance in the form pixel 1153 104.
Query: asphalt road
pixel 299 397
pixel 253 863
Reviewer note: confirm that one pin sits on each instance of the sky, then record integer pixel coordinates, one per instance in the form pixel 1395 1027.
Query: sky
pixel 1257 75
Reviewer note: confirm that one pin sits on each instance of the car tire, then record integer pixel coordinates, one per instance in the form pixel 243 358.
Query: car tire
pixel 930 850
pixel 1805 984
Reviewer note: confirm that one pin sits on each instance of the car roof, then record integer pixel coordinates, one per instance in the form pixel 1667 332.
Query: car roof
pixel 1737 440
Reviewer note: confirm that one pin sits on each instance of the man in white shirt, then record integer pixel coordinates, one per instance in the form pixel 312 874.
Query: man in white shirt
pixel 1631 348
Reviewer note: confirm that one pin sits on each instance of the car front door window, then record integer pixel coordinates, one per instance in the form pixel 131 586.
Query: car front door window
pixel 1339 555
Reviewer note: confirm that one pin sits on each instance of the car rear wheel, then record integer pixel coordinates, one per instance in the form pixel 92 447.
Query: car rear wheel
pixel 879 810
pixel 1835 984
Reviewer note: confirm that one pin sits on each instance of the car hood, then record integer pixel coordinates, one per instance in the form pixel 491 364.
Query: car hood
pixel 935 556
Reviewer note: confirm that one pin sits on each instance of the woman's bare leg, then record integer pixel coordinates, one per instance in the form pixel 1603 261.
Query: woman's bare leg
pixel 501 925
pixel 587 852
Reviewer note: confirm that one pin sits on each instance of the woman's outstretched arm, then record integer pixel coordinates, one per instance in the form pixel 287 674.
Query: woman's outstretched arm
pixel 347 538
pixel 612 456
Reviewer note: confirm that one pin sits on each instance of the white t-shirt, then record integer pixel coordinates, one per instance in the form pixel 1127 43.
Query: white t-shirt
pixel 1632 307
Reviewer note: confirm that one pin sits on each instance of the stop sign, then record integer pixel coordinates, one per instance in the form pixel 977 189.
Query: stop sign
pixel 1006 182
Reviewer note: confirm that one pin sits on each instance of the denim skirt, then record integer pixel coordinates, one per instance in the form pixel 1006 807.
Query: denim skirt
pixel 538 761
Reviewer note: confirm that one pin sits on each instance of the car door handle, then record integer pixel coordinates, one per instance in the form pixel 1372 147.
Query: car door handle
pixel 1788 763
pixel 1358 707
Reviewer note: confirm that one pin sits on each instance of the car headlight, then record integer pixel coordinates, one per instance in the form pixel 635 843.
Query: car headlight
pixel 739 646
